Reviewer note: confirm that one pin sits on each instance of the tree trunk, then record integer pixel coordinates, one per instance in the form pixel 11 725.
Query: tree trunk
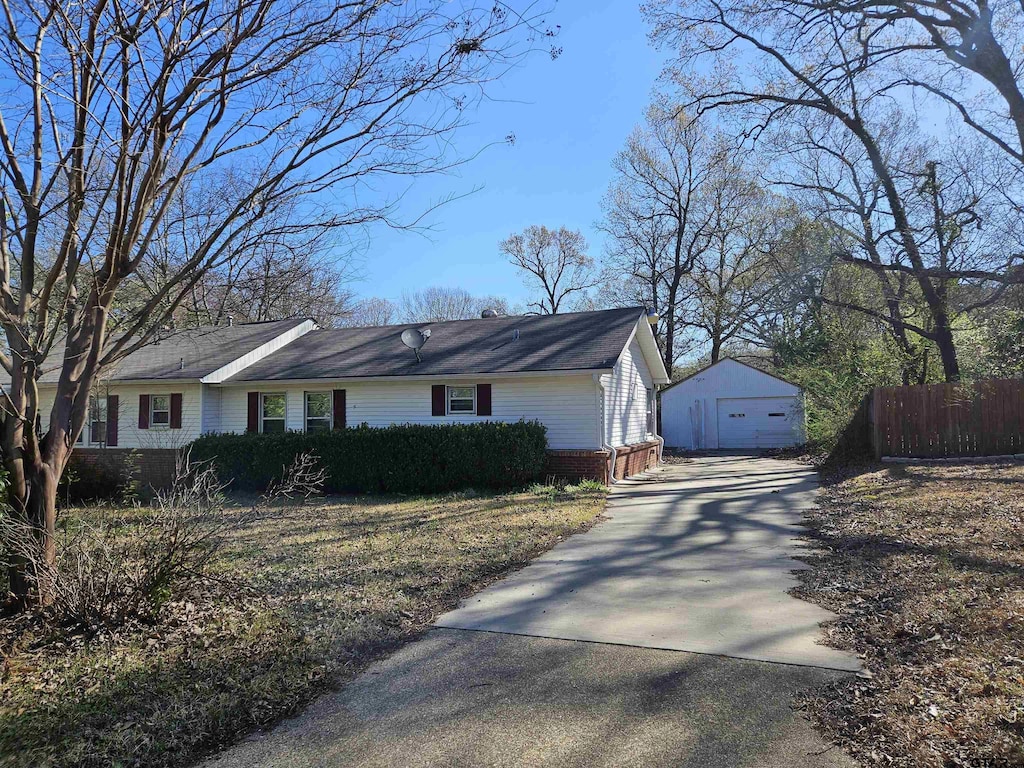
pixel 34 500
pixel 716 350
pixel 670 340
pixel 947 349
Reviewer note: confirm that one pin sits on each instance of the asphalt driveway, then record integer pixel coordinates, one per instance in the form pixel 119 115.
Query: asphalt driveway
pixel 655 639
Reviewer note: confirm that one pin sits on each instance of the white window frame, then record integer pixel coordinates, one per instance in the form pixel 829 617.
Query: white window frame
pixel 153 411
pixel 448 399
pixel 330 410
pixel 283 419
pixel 94 403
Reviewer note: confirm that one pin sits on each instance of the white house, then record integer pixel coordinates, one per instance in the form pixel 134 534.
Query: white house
pixel 590 377
pixel 732 405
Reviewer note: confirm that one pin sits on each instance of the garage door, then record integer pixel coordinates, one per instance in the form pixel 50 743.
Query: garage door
pixel 758 422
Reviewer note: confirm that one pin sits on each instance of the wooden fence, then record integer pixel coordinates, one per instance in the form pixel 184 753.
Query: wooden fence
pixel 983 418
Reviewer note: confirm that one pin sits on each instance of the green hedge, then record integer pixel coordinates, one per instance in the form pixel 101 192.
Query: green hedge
pixel 400 459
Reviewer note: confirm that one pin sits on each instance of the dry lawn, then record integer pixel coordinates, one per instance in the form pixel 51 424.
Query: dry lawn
pixel 304 599
pixel 925 566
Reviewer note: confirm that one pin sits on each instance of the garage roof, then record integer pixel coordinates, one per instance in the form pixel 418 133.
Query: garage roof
pixel 730 360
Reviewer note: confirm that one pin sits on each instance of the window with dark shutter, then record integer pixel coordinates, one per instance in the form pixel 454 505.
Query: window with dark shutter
pixel 252 423
pixel 143 411
pixel 176 410
pixel 340 406
pixel 112 403
pixel 437 400
pixel 483 399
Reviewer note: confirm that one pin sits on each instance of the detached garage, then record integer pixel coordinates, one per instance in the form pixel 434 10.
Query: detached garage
pixel 732 406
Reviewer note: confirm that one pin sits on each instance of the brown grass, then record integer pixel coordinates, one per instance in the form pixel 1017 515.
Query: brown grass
pixel 925 566
pixel 304 598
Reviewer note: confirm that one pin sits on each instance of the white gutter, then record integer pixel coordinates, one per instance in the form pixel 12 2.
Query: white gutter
pixel 613 454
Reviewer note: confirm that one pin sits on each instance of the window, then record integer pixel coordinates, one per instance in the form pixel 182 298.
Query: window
pixel 318 411
pixel 272 413
pixel 97 420
pixel 160 411
pixel 462 400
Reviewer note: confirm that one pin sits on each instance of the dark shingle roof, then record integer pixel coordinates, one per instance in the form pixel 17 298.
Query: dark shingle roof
pixel 576 341
pixel 203 349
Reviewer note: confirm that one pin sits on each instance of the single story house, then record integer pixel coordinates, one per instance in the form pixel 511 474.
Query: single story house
pixel 590 377
pixel 732 406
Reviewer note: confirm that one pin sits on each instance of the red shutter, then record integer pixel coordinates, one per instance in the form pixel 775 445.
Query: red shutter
pixel 112 401
pixel 253 424
pixel 483 399
pixel 437 392
pixel 143 411
pixel 176 410
pixel 339 409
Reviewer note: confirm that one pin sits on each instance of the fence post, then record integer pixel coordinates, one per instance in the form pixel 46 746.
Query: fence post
pixel 874 404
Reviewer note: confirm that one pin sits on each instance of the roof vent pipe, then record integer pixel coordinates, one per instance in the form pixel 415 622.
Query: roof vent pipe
pixel 181 364
pixel 231 320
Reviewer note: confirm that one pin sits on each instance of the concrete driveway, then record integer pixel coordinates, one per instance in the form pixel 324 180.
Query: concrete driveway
pixel 697 558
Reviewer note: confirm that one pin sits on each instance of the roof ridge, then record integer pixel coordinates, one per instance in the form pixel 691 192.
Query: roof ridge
pixel 538 315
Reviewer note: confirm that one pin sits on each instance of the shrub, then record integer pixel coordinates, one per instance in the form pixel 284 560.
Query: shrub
pixel 408 458
pixel 119 565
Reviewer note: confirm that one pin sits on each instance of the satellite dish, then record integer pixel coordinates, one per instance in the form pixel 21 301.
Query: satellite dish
pixel 414 339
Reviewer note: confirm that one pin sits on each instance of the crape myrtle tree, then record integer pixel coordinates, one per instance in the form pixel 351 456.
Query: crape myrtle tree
pixel 852 70
pixel 115 112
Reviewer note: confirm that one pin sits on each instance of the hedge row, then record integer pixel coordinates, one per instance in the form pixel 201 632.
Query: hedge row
pixel 400 459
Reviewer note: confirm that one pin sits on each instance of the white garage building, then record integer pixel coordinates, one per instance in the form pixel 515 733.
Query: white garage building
pixel 732 406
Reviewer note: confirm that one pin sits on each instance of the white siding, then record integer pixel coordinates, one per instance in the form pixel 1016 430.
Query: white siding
pixel 128 433
pixel 689 411
pixel 625 398
pixel 567 405
pixel 211 409
pixel 130 436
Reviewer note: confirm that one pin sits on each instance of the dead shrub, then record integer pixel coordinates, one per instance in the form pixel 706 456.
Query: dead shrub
pixel 123 565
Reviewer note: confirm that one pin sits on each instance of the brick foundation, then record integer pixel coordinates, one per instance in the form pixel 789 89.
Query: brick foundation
pixel 150 468
pixel 577 465
pixel 633 459
pixel 593 465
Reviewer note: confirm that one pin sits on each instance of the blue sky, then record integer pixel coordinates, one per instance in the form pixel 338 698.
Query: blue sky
pixel 570 116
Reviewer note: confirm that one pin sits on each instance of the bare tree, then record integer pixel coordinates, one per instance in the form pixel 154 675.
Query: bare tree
pixel 555 262
pixel 655 217
pixel 112 112
pixel 734 277
pixel 372 311
pixel 930 46
pixel 816 64
pixel 437 304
